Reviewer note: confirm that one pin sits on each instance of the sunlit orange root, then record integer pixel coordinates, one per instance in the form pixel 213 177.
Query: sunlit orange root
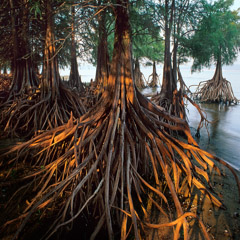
pixel 115 158
pixel 118 149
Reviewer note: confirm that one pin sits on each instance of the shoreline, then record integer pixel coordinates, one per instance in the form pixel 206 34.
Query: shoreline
pixel 220 223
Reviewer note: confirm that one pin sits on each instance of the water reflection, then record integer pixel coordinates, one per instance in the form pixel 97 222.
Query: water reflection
pixel 224 131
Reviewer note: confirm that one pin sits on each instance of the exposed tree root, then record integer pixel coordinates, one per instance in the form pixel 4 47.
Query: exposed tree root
pixel 204 120
pixel 25 114
pixel 153 79
pixel 115 158
pixel 218 89
pixel 111 159
pixel 177 108
pixel 174 106
pixel 5 82
pixel 184 88
pixel 212 91
pixel 185 91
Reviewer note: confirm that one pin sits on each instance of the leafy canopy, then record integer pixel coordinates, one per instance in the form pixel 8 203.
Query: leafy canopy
pixel 217 36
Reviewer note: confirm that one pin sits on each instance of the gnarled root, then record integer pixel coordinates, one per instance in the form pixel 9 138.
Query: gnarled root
pixel 153 80
pixel 215 91
pixel 25 114
pixel 111 160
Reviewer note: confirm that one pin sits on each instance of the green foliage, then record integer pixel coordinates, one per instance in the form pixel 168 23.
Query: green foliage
pixel 217 36
pixel 62 21
pixel 146 39
pixel 36 8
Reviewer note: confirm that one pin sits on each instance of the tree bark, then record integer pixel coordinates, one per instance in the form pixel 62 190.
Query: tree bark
pixel 51 76
pixel 74 78
pixel 5 69
pixel 138 76
pixel 168 82
pixel 102 70
pixel 153 77
pixel 24 77
pixel 218 77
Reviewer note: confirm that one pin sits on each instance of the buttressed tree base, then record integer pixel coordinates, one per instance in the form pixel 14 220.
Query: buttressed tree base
pixel 117 158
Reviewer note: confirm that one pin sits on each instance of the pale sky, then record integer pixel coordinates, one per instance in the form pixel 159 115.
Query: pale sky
pixel 236 4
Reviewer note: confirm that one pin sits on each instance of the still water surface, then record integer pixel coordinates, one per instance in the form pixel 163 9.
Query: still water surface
pixel 223 139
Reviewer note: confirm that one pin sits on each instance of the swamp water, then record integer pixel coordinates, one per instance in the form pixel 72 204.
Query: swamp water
pixel 222 135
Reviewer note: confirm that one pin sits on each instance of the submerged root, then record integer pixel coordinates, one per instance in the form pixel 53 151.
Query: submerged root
pixel 111 160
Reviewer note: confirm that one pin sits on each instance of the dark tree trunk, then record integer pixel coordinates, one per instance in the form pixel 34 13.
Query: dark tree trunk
pixel 218 89
pixel 102 70
pixel 153 78
pixel 175 49
pixel 24 76
pixel 51 77
pixel 138 76
pixel 168 83
pixel 74 78
pixel 4 69
pixel 218 77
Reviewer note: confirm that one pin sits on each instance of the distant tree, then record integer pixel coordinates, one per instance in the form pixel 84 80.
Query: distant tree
pixel 74 78
pixel 217 40
pixel 24 77
pixel 146 40
pixel 49 104
pixel 102 69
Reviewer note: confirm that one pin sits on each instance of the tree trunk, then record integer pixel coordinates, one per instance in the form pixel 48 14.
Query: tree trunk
pixel 24 77
pixel 74 78
pixel 102 70
pixel 218 77
pixel 168 83
pixel 175 49
pixel 138 76
pixel 153 77
pixel 115 157
pixel 4 69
